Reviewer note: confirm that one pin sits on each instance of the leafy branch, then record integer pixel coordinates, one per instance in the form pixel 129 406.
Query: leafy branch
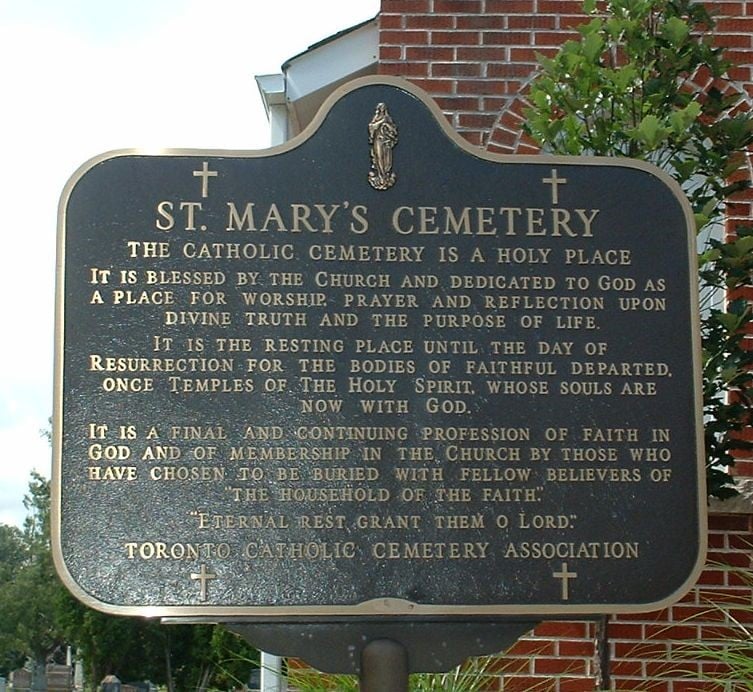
pixel 645 80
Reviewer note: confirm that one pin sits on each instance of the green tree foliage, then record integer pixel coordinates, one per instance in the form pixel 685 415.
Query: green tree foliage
pixel 180 657
pixel 12 552
pixel 12 559
pixel 645 80
pixel 28 591
pixel 109 645
pixel 40 618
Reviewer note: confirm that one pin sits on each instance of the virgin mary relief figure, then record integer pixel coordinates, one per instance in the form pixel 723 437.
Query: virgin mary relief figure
pixel 383 138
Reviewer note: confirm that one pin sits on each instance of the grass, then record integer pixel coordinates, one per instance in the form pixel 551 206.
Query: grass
pixel 471 676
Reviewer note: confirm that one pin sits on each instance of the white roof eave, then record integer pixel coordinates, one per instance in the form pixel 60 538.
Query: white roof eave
pixel 308 78
pixel 332 61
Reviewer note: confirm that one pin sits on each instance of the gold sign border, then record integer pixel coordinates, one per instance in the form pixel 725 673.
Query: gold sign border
pixel 379 607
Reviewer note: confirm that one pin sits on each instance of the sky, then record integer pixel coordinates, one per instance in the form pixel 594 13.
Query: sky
pixel 84 77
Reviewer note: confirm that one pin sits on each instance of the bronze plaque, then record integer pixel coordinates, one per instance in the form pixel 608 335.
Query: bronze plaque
pixel 376 371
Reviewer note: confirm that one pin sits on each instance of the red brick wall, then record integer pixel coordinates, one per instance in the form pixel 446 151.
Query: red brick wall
pixel 475 58
pixel 646 651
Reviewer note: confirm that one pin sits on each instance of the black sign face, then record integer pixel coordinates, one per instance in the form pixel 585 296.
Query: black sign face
pixel 376 371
